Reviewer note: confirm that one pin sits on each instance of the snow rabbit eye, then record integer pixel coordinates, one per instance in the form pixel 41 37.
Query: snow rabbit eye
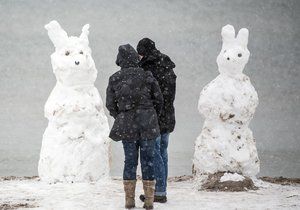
pixel 67 53
pixel 81 52
pixel 240 55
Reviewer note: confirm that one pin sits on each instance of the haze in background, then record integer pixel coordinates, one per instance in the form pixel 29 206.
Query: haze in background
pixel 189 32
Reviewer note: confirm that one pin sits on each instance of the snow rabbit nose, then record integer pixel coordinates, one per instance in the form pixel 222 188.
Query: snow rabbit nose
pixel 77 62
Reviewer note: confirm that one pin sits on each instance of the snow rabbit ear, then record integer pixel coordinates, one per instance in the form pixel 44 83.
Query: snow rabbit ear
pixel 228 34
pixel 56 34
pixel 84 34
pixel 242 37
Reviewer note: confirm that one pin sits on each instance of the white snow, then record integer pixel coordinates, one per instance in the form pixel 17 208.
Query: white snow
pixel 108 194
pixel 231 177
pixel 75 144
pixel 228 104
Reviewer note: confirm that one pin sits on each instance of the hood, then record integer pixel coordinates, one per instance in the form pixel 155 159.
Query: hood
pixel 127 57
pixel 146 47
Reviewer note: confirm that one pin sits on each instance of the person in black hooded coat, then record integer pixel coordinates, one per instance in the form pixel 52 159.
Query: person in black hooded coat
pixel 134 99
pixel 161 67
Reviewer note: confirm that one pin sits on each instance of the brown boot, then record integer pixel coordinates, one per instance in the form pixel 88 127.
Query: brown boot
pixel 129 188
pixel 149 188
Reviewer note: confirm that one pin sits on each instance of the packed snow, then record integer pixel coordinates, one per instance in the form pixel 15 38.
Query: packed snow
pixel 232 177
pixel 228 104
pixel 75 145
pixel 109 195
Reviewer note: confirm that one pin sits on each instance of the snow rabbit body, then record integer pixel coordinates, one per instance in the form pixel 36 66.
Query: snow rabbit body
pixel 228 103
pixel 75 144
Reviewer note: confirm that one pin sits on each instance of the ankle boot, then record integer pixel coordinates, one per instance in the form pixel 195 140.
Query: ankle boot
pixel 149 188
pixel 157 198
pixel 129 188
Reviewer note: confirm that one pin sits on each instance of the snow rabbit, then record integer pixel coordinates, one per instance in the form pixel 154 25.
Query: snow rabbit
pixel 75 144
pixel 228 104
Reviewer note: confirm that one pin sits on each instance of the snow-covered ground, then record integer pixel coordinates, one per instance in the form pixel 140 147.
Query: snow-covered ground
pixel 108 194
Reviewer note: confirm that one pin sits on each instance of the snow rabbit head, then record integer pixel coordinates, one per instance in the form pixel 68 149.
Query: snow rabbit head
pixel 72 61
pixel 234 54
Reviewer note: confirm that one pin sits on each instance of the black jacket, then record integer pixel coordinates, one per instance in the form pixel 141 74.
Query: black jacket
pixel 133 98
pixel 161 67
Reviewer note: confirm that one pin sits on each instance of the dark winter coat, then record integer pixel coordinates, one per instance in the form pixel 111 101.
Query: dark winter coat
pixel 161 67
pixel 133 98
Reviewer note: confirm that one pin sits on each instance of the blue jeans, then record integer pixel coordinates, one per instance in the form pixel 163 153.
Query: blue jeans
pixel 131 150
pixel 161 164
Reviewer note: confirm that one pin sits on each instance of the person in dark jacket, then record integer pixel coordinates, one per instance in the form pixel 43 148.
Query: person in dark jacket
pixel 134 99
pixel 161 67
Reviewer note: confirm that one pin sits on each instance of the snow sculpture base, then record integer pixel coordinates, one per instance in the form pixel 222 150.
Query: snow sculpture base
pixel 228 103
pixel 222 181
pixel 75 145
